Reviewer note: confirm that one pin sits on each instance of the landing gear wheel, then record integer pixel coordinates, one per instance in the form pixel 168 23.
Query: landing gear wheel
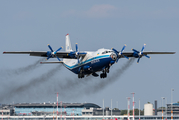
pixel 107 70
pixel 103 75
pixel 81 75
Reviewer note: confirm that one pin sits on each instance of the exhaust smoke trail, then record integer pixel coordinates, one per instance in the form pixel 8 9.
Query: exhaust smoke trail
pixel 109 80
pixel 79 87
pixel 8 73
pixel 70 88
pixel 20 91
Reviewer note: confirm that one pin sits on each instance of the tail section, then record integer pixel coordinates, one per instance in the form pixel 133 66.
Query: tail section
pixel 68 48
pixel 68 43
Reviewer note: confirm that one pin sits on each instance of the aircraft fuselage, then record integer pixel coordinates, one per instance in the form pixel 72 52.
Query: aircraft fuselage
pixel 93 62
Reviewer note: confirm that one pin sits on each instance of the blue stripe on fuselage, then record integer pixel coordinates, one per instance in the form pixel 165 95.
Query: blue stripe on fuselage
pixel 96 63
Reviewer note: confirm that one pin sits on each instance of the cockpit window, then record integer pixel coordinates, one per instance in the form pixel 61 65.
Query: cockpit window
pixel 106 52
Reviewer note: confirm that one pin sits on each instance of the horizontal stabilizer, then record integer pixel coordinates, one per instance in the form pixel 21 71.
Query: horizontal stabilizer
pixel 51 62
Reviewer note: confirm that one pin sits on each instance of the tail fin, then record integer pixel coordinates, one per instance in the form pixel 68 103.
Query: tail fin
pixel 68 43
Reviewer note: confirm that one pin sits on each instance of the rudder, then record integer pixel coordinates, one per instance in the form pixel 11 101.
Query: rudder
pixel 68 43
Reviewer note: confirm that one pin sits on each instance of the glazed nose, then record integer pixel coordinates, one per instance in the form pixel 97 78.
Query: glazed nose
pixel 113 56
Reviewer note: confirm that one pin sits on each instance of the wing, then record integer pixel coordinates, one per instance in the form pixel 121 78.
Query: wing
pixel 131 54
pixel 70 55
pixel 51 62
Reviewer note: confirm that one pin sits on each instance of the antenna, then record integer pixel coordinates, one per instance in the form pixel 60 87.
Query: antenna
pixel 57 105
pixel 128 111
pixel 133 104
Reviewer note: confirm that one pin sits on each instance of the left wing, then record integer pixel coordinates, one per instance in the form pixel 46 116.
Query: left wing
pixel 131 54
pixel 136 53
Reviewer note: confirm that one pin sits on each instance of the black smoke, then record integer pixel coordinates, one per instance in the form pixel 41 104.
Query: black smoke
pixel 74 87
pixel 6 73
pixel 30 90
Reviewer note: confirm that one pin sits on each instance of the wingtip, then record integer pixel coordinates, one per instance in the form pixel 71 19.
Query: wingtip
pixel 48 45
pixel 132 49
pixel 40 62
pixel 62 46
pixel 129 59
pixel 144 44
pixel 4 52
pixel 125 45
pixel 67 34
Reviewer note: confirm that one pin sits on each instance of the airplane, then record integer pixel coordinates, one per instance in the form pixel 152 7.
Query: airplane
pixel 85 63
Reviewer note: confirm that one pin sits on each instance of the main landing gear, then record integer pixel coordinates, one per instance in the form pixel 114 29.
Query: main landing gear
pixel 104 74
pixel 81 74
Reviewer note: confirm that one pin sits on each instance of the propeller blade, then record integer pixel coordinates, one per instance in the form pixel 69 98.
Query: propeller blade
pixel 58 58
pixel 123 48
pixel 115 50
pixel 49 57
pixel 58 50
pixel 126 57
pixel 146 56
pixel 138 60
pixel 50 47
pixel 143 48
pixel 135 51
pixel 117 60
pixel 76 47
pixel 77 52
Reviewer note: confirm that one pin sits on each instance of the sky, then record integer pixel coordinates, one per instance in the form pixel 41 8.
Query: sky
pixel 31 25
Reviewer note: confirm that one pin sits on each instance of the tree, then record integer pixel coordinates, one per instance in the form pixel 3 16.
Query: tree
pixel 136 111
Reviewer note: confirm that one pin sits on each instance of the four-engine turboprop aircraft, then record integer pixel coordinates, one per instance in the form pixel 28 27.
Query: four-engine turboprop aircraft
pixel 88 63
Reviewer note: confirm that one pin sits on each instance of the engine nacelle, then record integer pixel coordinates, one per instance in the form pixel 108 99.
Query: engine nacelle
pixel 135 54
pixel 86 68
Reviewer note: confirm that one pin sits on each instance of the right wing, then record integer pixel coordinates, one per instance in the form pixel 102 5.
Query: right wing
pixel 51 62
pixel 70 55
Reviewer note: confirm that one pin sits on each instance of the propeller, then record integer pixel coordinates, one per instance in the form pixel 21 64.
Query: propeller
pixel 140 54
pixel 52 54
pixel 77 52
pixel 120 53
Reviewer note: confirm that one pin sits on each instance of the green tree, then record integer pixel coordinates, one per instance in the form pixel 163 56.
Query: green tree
pixel 136 111
pixel 123 112
pixel 115 109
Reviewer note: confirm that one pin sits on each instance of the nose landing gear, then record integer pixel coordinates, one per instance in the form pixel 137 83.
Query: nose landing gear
pixel 104 74
pixel 81 74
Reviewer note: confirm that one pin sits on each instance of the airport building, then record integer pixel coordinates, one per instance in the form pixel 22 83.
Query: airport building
pixel 174 107
pixel 37 109
pixel 77 111
pixel 6 110
pixel 99 112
